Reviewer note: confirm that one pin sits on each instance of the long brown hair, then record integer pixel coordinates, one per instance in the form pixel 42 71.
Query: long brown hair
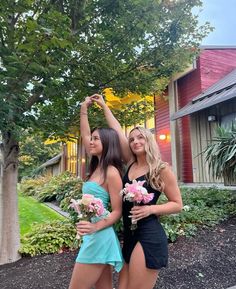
pixel 111 152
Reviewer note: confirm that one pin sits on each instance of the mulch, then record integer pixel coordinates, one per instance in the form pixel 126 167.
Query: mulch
pixel 207 261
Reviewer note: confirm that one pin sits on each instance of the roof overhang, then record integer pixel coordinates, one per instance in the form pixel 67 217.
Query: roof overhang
pixel 223 90
pixel 52 161
pixel 192 66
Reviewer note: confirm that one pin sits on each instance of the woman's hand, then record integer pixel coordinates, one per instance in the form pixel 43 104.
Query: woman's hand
pixel 85 228
pixel 140 212
pixel 98 99
pixel 87 102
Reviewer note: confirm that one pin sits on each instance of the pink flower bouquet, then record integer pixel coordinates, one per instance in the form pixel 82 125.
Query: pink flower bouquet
pixel 136 193
pixel 88 207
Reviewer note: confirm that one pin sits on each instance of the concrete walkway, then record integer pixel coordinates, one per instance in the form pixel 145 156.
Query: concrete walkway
pixel 220 186
pixel 57 209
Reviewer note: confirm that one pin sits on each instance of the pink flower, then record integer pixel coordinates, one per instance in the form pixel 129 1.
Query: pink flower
pixel 88 206
pixel 147 198
pixel 135 192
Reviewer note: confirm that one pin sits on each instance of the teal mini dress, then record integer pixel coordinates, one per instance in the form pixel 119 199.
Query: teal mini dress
pixel 101 247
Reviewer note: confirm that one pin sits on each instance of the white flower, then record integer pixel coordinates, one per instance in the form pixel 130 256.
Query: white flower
pixel 186 208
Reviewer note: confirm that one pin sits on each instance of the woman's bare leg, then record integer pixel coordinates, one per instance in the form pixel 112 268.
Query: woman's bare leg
pixel 123 277
pixel 84 276
pixel 105 280
pixel 140 277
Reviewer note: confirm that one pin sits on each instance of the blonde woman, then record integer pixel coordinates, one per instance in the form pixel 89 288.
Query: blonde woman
pixel 145 249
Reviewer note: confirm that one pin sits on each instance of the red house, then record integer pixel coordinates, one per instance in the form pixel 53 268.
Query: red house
pixel 198 100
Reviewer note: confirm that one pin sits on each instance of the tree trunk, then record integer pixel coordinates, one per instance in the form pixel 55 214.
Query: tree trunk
pixel 9 223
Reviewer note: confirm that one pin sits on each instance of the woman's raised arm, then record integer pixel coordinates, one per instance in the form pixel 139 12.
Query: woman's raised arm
pixel 113 123
pixel 85 131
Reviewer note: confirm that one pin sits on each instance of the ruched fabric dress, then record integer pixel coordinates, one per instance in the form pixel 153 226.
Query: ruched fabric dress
pixel 101 247
pixel 149 232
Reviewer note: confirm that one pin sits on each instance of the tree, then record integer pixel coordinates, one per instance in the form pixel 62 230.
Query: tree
pixel 55 52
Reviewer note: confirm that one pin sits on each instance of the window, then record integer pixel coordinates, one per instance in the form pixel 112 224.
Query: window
pixel 72 157
pixel 228 120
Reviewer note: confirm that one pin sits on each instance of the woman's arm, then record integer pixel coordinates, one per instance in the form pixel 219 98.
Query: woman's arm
pixel 172 192
pixel 114 185
pixel 113 123
pixel 84 124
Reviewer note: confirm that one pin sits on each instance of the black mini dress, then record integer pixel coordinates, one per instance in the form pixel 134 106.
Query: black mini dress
pixel 149 232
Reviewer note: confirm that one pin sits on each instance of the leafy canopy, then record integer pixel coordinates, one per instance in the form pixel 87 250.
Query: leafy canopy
pixel 54 53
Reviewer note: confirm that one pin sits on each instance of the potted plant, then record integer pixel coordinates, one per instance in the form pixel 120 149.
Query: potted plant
pixel 221 155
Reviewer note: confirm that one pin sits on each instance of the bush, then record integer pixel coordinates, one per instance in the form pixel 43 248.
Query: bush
pixel 203 208
pixel 221 155
pixel 76 193
pixel 47 189
pixel 58 186
pixel 53 237
pixel 30 187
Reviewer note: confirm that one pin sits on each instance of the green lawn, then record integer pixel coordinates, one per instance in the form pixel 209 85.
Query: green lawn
pixel 32 212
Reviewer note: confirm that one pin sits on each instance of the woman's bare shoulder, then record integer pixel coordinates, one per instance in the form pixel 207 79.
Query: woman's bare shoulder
pixel 166 170
pixel 112 171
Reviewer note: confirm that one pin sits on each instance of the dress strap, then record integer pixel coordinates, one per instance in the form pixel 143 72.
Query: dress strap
pixel 129 167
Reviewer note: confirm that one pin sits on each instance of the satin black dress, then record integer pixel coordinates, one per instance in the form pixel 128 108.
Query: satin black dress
pixel 149 232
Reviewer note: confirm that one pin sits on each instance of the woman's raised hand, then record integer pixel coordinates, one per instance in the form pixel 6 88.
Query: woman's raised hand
pixel 98 99
pixel 87 102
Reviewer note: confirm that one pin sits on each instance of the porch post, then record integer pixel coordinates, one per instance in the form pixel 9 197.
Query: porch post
pixel 173 105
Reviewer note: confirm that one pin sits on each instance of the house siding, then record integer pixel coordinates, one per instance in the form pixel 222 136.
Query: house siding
pixel 188 87
pixel 162 123
pixel 212 65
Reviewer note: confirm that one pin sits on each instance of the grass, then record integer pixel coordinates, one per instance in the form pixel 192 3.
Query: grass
pixel 32 212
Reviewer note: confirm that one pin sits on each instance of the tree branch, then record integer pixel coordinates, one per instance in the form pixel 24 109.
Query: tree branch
pixel 35 98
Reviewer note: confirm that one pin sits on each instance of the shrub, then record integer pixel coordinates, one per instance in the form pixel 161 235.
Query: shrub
pixel 203 208
pixel 76 193
pixel 46 189
pixel 221 155
pixel 30 187
pixel 57 187
pixel 53 237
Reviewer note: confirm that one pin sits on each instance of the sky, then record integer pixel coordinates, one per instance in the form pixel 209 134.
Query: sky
pixel 222 15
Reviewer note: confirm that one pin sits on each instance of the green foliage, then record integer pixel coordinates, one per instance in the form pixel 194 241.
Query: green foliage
pixel 221 154
pixel 55 188
pixel 31 212
pixel 30 187
pixel 58 187
pixel 76 193
pixel 203 208
pixel 53 55
pixel 118 227
pixel 33 153
pixel 135 113
pixel 53 237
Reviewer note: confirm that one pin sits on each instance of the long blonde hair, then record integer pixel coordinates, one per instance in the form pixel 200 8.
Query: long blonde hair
pixel 153 158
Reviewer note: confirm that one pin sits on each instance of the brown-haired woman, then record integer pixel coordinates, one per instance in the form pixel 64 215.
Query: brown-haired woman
pixel 100 247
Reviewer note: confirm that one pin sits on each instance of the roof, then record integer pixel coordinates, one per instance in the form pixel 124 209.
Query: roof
pixel 221 91
pixel 217 47
pixel 52 161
